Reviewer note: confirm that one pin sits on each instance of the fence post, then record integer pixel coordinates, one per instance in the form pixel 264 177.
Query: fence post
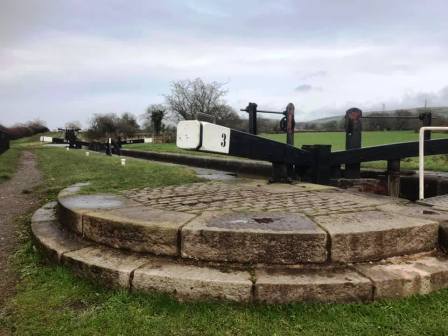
pixel 290 125
pixel 393 178
pixel 426 118
pixel 353 136
pixel 290 122
pixel 252 110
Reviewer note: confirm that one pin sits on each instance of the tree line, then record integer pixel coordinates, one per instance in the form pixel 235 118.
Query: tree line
pixel 23 130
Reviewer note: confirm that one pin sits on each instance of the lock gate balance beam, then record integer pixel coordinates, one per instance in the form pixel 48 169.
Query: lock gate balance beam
pixel 207 137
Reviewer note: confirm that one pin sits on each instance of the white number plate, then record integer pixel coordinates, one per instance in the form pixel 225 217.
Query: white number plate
pixel 215 138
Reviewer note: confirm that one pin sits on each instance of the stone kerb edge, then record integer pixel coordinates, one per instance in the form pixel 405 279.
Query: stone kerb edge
pixel 433 270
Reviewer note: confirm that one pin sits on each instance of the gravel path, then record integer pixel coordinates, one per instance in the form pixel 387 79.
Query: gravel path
pixel 16 198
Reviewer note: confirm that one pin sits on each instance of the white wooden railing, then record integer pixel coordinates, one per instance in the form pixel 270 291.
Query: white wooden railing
pixel 421 157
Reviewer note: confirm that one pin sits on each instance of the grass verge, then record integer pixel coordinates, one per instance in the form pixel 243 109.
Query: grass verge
pixel 62 168
pixel 8 163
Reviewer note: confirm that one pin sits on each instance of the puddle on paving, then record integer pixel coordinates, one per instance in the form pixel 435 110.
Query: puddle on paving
pixel 215 175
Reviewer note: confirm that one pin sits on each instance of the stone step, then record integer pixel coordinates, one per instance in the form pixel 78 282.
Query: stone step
pixel 370 229
pixel 113 267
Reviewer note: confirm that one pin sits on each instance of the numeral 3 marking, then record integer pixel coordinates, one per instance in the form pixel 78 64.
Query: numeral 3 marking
pixel 224 138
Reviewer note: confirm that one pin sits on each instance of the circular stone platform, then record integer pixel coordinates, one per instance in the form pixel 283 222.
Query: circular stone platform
pixel 248 241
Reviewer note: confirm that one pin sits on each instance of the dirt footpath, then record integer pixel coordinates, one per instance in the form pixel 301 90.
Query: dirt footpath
pixel 16 198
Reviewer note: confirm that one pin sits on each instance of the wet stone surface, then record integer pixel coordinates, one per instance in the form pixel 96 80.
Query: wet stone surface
pixel 94 201
pixel 263 221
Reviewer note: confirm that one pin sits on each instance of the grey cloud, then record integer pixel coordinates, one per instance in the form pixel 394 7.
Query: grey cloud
pixel 410 100
pixel 314 74
pixel 307 88
pixel 288 20
pixel 25 19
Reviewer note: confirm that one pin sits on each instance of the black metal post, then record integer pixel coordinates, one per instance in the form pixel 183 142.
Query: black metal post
pixel 321 169
pixel 280 173
pixel 426 118
pixel 252 110
pixel 353 137
pixel 290 124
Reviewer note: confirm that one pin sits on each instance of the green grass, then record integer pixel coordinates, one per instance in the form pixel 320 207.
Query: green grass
pixel 170 148
pixel 8 163
pixel 50 300
pixel 10 159
pixel 62 168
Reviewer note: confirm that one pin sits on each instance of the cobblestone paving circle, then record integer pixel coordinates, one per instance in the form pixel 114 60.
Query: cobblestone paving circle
pixel 198 197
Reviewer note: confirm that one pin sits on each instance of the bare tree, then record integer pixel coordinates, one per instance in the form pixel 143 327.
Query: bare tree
pixel 227 116
pixel 196 100
pixel 73 124
pixel 110 125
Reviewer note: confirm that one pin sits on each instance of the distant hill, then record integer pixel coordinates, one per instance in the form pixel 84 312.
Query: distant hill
pixel 441 110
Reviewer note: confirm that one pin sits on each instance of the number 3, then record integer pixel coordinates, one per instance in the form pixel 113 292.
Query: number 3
pixel 223 142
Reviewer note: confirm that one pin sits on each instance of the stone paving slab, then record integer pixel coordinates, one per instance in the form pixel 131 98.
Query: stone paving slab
pixel 401 279
pixel 254 237
pixel 138 228
pixel 437 202
pixel 327 285
pixel 46 213
pixel 73 189
pixel 193 282
pixel 374 235
pixel 73 206
pixel 108 266
pixel 417 211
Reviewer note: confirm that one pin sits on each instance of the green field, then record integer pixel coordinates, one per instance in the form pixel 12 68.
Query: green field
pixel 337 140
pixel 50 300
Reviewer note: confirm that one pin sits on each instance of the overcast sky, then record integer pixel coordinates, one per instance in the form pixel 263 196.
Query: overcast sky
pixel 63 60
